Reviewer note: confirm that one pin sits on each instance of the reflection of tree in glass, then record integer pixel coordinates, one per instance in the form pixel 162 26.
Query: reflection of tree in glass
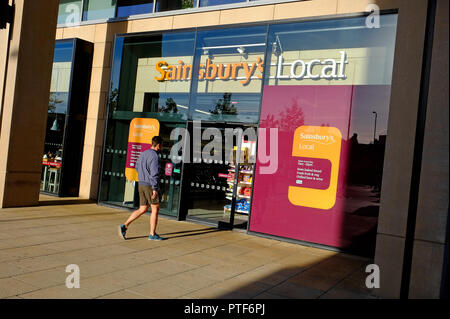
pixel 52 102
pixel 289 119
pixel 185 4
pixel 269 121
pixel 224 106
pixel 171 106
pixel 292 117
pixel 113 98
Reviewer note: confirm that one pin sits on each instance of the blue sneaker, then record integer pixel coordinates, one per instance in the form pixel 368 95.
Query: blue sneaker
pixel 122 231
pixel 155 237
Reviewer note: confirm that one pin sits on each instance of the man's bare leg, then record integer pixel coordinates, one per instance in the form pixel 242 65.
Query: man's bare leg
pixel 136 214
pixel 154 218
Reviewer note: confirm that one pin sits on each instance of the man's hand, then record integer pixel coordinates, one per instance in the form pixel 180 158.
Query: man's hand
pixel 155 194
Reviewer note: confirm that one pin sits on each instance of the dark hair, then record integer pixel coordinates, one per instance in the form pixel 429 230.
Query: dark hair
pixel 156 140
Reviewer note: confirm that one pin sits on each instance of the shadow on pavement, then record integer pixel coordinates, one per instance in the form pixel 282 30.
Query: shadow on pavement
pixel 190 233
pixel 74 201
pixel 337 277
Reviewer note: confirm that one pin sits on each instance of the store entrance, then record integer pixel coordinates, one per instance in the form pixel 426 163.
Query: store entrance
pixel 212 191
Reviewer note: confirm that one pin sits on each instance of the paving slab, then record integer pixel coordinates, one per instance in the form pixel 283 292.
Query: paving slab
pixel 10 287
pixel 123 294
pixel 196 261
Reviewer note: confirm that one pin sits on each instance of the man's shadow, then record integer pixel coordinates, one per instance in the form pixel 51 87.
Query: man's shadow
pixel 187 233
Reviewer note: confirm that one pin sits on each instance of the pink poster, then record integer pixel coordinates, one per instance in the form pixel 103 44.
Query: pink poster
pixel 304 199
pixel 133 151
pixel 168 169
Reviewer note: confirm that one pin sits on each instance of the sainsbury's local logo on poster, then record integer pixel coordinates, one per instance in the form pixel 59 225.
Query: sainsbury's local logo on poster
pixel 316 69
pixel 322 139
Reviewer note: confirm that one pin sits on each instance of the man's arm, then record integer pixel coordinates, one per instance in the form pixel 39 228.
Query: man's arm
pixel 154 170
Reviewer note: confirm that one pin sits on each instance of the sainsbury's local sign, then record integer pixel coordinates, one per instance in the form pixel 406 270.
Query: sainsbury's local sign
pixel 332 69
pixel 316 69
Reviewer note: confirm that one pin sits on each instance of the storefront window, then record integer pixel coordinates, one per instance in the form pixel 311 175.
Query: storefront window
pixel 127 8
pixel 68 98
pixel 229 64
pixel 99 9
pixel 149 81
pixel 167 5
pixel 326 91
pixel 56 120
pixel 69 11
pixel 207 3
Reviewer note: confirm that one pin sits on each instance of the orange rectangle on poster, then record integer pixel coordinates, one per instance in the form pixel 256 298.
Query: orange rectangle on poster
pixel 317 144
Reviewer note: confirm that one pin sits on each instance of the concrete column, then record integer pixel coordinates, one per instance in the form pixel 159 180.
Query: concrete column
pixel 432 210
pixel 102 35
pixel 3 57
pixel 25 104
pixel 398 162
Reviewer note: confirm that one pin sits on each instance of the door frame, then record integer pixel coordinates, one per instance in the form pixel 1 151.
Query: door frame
pixel 183 200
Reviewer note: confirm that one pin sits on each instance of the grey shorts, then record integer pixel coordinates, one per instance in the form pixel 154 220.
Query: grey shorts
pixel 145 196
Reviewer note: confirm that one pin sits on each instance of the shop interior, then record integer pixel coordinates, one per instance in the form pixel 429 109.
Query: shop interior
pixel 213 192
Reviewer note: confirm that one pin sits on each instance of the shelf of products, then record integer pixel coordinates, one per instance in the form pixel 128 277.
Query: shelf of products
pixel 244 180
pixel 244 188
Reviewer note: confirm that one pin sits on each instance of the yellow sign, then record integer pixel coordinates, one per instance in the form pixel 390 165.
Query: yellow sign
pixel 317 151
pixel 142 130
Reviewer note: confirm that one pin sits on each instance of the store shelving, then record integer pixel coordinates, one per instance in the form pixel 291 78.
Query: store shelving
pixel 240 177
pixel 243 187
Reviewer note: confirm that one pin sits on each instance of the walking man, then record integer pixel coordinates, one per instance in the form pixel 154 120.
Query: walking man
pixel 147 167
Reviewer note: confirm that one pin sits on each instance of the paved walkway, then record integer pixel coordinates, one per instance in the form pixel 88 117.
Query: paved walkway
pixel 37 243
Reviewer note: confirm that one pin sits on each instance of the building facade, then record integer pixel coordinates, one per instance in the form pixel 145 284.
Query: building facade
pixel 323 122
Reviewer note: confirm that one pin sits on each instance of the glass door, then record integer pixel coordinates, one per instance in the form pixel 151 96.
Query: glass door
pixel 213 192
pixel 240 181
pixel 170 172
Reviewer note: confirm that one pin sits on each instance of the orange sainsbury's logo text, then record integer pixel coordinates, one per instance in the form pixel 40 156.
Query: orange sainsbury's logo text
pixel 210 71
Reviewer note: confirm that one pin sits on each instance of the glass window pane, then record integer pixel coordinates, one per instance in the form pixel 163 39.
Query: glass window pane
pixel 139 90
pixel 99 9
pixel 327 89
pixel 206 3
pixel 167 5
pixel 69 11
pixel 127 8
pixel 57 111
pixel 63 52
pixel 144 61
pixel 228 65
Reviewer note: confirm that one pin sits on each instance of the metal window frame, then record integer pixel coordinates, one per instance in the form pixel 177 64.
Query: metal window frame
pixel 74 42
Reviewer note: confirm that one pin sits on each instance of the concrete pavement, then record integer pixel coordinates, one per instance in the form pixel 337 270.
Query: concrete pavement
pixel 37 243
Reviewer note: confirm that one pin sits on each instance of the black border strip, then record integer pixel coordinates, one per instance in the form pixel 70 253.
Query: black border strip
pixel 418 150
pixel 445 267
